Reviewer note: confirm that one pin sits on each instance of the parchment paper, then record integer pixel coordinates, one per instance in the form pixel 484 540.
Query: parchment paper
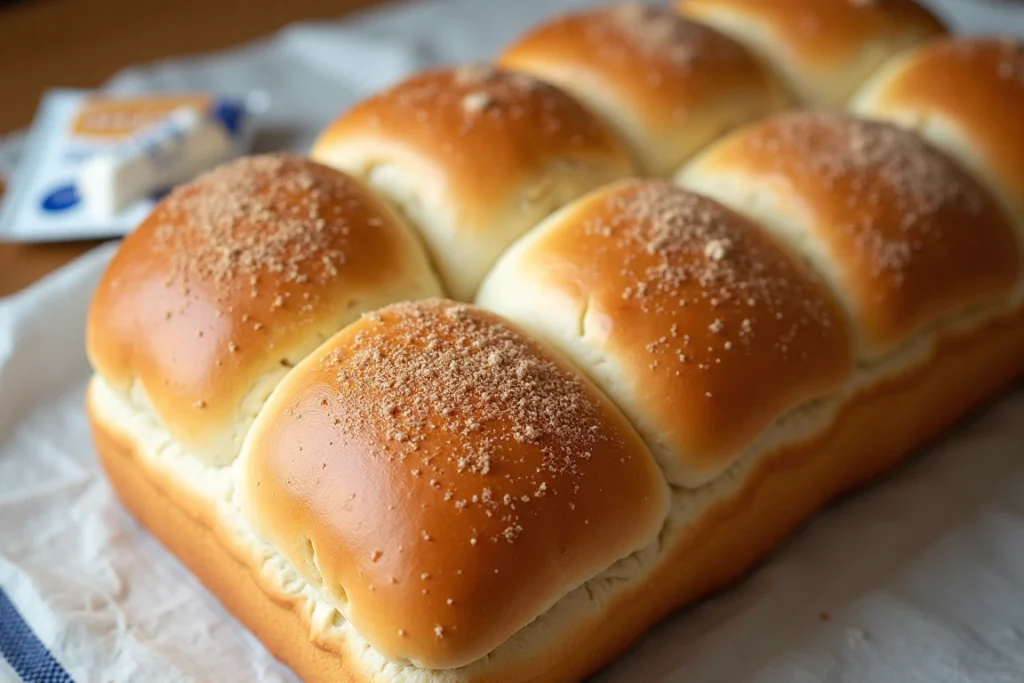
pixel 918 579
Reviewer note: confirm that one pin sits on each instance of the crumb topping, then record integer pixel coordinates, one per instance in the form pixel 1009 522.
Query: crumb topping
pixel 482 391
pixel 482 99
pixel 882 168
pixel 257 215
pixel 669 44
pixel 661 33
pixel 681 250
pixel 476 102
pixel 261 241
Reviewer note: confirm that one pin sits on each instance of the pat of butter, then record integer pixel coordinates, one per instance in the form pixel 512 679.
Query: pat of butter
pixel 173 150
pixel 94 164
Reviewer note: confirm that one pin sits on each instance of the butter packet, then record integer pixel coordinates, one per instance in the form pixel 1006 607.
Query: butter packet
pixel 95 164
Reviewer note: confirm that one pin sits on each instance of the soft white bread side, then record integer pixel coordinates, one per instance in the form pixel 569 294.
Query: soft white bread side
pixel 689 316
pixel 442 480
pixel 822 49
pixel 905 237
pixel 965 95
pixel 669 86
pixel 474 157
pixel 234 278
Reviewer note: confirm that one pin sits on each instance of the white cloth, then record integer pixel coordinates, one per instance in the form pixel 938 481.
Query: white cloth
pixel 922 575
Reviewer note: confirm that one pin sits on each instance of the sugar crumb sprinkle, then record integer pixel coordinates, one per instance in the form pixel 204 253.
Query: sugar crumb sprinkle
pixel 472 406
pixel 258 215
pixel 882 170
pixel 677 252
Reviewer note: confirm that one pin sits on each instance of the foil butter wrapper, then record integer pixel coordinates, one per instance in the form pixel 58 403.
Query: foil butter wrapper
pixel 95 164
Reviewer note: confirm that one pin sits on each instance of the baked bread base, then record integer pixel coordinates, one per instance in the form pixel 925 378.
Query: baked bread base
pixel 872 430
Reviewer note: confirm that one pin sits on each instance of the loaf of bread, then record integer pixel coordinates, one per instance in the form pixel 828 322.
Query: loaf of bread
pixel 482 402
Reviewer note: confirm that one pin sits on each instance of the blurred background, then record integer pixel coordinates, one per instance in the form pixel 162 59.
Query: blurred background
pixel 81 43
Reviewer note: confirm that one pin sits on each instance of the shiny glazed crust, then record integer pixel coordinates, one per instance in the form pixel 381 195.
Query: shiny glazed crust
pixel 823 49
pixel 727 538
pixel 965 95
pixel 474 157
pixel 668 85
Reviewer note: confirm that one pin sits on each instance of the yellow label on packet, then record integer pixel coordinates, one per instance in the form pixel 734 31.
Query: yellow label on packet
pixel 120 117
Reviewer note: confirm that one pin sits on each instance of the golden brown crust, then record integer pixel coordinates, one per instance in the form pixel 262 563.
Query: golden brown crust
pixel 912 408
pixel 905 236
pixel 474 156
pixel 700 327
pixel 233 278
pixel 445 479
pixel 823 49
pixel 487 130
pixel 965 95
pixel 668 85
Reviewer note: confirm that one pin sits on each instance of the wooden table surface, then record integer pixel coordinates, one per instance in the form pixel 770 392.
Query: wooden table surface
pixel 81 43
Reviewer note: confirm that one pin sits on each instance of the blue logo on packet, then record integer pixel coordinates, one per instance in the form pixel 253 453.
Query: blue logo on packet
pixel 62 199
pixel 231 115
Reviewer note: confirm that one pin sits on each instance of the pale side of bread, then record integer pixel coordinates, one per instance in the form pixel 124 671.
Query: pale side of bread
pixel 714 536
pixel 474 157
pixel 965 95
pixel 669 86
pixel 822 49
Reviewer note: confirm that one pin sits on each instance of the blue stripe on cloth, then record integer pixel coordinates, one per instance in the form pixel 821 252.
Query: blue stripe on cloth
pixel 23 651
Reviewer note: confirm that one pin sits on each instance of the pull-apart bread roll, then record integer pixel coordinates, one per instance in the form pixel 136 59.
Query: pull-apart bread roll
pixel 964 95
pixel 668 86
pixel 662 380
pixel 474 156
pixel 822 49
pixel 232 280
pixel 442 480
pixel 692 318
pixel 905 237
